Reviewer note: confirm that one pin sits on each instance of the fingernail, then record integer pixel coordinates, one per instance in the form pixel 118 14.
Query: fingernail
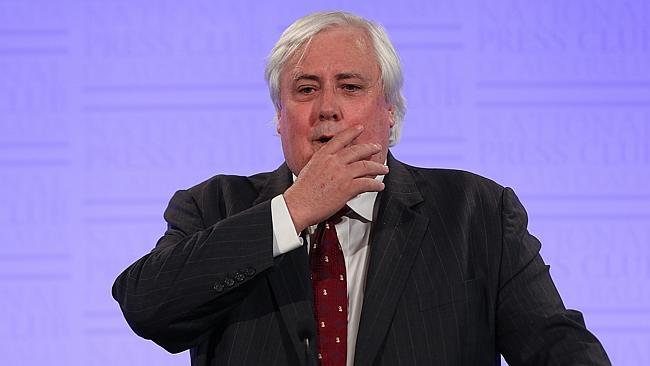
pixel 377 146
pixel 359 127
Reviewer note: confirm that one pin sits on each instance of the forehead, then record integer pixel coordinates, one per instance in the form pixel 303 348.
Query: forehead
pixel 335 50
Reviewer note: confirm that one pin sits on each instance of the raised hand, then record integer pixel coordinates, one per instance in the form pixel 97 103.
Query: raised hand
pixel 335 174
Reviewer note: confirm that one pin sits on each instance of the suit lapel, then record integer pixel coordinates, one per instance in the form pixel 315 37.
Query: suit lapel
pixel 394 242
pixel 289 278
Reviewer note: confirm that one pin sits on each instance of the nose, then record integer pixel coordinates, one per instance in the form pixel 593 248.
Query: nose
pixel 329 109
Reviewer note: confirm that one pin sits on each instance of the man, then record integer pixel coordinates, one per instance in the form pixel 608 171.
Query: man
pixel 436 266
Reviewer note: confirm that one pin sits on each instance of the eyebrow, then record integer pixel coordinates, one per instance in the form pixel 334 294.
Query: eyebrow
pixel 350 75
pixel 339 76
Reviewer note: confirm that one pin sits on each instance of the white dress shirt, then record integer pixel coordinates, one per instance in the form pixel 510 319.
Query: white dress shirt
pixel 353 232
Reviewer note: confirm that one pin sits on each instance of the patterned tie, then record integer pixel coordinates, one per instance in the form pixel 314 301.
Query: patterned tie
pixel 329 282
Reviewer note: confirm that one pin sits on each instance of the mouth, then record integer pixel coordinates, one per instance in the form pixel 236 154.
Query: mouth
pixel 324 139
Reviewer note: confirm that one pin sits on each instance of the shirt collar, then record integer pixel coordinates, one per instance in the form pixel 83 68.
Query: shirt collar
pixel 362 204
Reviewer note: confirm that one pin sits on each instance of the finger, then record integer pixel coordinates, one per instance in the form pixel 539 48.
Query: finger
pixel 366 168
pixel 354 153
pixel 360 185
pixel 343 139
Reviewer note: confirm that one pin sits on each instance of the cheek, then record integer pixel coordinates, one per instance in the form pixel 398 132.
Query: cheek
pixel 376 133
pixel 294 134
pixel 292 129
pixel 376 121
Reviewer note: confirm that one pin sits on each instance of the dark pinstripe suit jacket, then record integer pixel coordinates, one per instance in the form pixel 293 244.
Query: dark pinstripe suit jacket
pixel 454 278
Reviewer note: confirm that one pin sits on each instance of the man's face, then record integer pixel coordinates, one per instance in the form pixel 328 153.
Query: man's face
pixel 329 85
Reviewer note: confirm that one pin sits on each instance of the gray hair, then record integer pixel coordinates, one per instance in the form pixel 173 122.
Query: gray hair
pixel 302 31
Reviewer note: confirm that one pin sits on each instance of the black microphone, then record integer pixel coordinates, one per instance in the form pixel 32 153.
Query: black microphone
pixel 306 335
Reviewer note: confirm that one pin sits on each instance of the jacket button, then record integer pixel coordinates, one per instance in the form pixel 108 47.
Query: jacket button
pixel 239 277
pixel 229 282
pixel 218 286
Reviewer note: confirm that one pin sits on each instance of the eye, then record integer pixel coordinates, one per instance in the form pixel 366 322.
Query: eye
pixel 350 87
pixel 306 90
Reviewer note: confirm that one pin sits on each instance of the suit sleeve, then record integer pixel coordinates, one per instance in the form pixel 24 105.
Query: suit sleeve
pixel 187 285
pixel 533 326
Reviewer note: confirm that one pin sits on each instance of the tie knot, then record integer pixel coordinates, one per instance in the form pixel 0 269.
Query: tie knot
pixel 336 218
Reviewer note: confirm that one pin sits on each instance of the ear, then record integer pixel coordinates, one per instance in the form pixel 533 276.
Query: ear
pixel 277 121
pixel 391 116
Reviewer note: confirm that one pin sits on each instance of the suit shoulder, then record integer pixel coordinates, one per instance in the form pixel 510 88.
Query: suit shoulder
pixel 226 191
pixel 458 183
pixel 222 195
pixel 466 179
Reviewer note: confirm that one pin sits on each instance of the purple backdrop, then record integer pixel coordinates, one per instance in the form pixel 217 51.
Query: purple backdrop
pixel 108 107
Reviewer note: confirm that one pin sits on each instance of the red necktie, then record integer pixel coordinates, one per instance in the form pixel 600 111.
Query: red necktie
pixel 329 282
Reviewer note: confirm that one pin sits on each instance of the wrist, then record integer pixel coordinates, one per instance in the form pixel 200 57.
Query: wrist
pixel 293 206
